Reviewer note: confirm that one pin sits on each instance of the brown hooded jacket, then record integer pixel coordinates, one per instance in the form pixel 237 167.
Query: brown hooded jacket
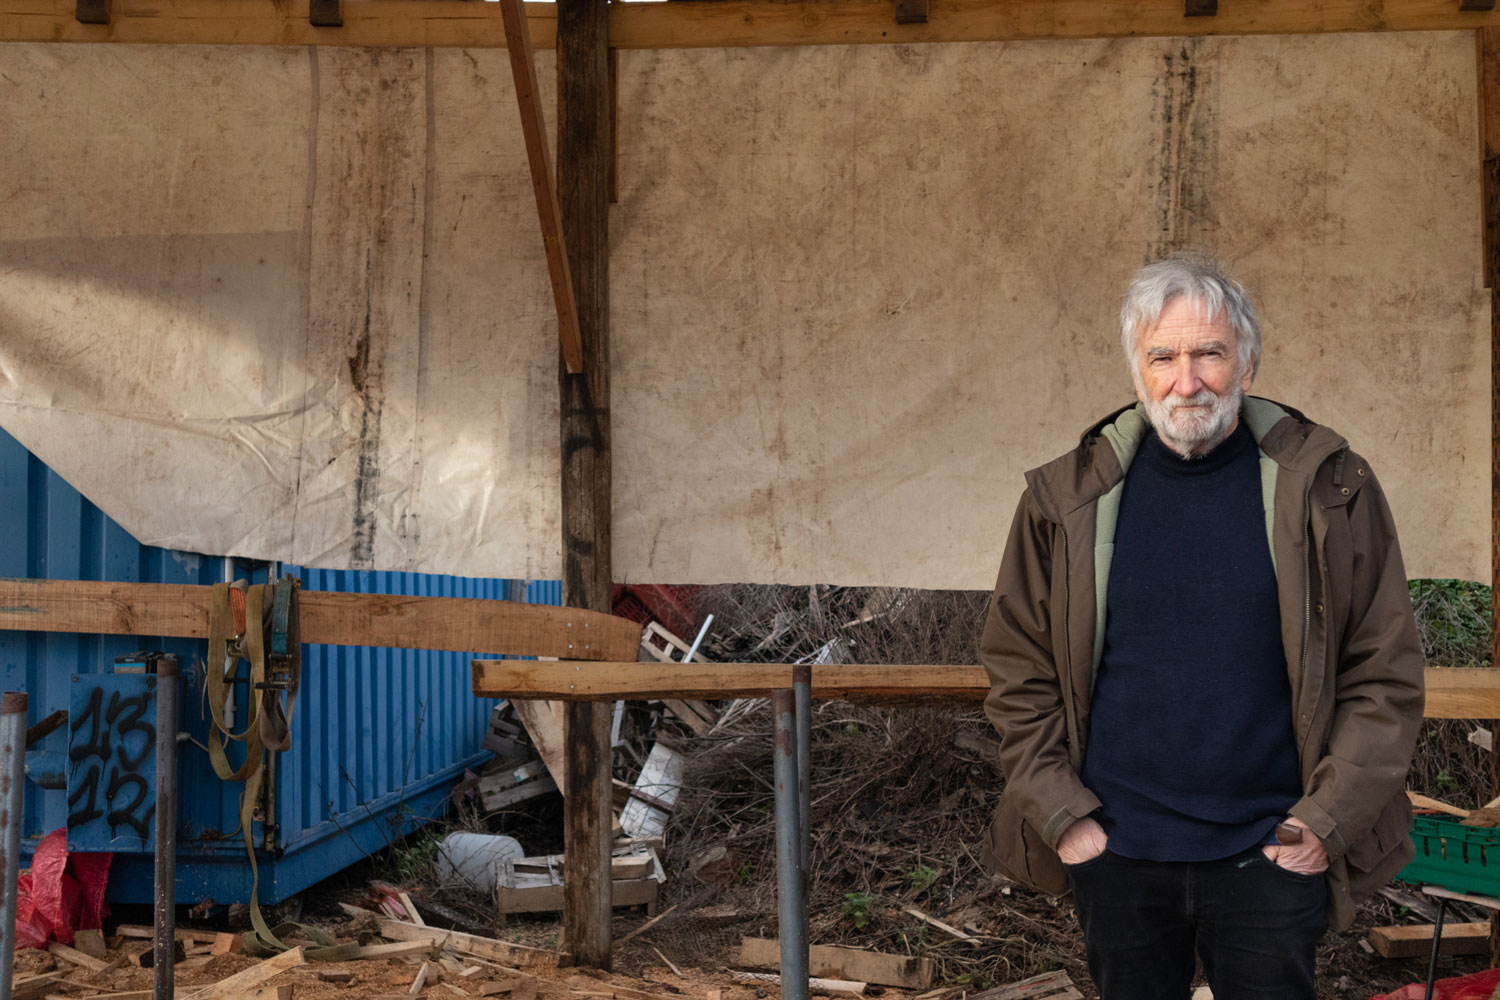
pixel 1352 652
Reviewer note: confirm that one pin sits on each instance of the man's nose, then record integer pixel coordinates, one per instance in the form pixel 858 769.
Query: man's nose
pixel 1185 379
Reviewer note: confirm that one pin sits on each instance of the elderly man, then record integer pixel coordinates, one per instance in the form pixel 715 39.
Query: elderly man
pixel 1204 666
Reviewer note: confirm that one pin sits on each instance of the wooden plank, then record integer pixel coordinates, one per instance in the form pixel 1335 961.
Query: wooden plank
pixel 1415 940
pixel 75 957
pixel 543 722
pixel 549 212
pixel 33 986
pixel 1452 692
pixel 513 955
pixel 496 800
pixel 1463 693
pixel 830 962
pixel 1047 986
pixel 829 987
pixel 393 620
pixel 241 982
pixel 635 681
pixel 1423 802
pixel 426 944
pixel 708 24
pixel 551 898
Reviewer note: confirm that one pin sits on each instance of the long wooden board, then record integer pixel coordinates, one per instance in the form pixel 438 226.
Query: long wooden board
pixel 630 680
pixel 515 955
pixel 1452 692
pixel 713 23
pixel 404 622
pixel 831 962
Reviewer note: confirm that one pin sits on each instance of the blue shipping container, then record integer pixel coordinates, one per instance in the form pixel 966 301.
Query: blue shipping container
pixel 378 737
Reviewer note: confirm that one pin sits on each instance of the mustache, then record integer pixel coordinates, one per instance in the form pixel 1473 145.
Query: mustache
pixel 1203 397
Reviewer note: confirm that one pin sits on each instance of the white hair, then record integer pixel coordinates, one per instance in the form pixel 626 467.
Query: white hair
pixel 1202 280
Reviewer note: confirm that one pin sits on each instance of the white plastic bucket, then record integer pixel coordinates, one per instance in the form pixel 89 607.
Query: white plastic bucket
pixel 476 857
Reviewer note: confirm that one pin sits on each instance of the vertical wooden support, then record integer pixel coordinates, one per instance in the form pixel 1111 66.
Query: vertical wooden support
pixel 583 160
pixel 1488 92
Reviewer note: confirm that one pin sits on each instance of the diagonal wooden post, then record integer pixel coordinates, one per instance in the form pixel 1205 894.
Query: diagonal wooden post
pixel 534 129
pixel 583 157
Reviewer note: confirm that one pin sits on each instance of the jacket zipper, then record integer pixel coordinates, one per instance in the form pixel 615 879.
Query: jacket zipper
pixel 1307 541
pixel 1070 712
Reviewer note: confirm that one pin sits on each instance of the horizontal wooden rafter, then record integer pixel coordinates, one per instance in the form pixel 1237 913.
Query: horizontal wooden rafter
pixel 464 625
pixel 713 23
pixel 1452 693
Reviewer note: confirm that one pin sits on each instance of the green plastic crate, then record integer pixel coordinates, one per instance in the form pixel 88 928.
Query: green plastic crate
pixel 1454 856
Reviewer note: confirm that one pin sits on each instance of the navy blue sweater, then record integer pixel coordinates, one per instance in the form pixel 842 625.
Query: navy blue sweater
pixel 1190 734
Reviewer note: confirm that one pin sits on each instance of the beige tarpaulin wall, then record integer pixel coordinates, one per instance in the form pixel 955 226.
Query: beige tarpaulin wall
pixel 292 304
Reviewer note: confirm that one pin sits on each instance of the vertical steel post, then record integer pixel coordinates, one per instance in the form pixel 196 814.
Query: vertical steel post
pixel 790 877
pixel 1437 940
pixel 12 792
pixel 802 688
pixel 164 946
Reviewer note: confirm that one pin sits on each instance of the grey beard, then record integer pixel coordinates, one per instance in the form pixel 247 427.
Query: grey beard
pixel 1193 436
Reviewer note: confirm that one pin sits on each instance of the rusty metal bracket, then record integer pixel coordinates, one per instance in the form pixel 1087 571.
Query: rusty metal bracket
pixel 92 11
pixel 325 14
pixel 911 11
pixel 1200 8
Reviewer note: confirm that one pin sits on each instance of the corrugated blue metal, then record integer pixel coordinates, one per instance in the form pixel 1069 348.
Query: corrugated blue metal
pixel 378 734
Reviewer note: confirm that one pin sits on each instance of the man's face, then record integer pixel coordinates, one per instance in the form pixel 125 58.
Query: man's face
pixel 1188 376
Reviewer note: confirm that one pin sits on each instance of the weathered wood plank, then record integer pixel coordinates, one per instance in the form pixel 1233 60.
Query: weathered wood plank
pixel 450 623
pixel 1415 940
pixel 708 24
pixel 514 955
pixel 1452 692
pixel 830 962
pixel 629 680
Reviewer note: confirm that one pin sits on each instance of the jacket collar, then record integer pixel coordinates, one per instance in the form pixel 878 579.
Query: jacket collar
pixel 1105 451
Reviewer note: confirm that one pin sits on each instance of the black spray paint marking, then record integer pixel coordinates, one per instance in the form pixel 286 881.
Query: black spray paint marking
pixel 1187 153
pixel 368 380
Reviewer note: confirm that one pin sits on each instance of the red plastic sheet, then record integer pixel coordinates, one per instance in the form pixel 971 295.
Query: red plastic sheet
pixel 61 894
pixel 1479 986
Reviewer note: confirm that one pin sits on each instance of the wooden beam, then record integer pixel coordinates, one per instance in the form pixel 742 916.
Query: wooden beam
pixel 583 157
pixel 1415 940
pixel 534 129
pixel 1452 692
pixel 713 23
pixel 635 681
pixel 394 620
pixel 831 962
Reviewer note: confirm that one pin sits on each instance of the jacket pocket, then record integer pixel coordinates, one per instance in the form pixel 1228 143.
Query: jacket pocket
pixel 1013 848
pixel 1384 851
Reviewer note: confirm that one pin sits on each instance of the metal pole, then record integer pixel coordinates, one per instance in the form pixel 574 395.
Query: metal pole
pixel 802 688
pixel 12 793
pixel 790 878
pixel 164 946
pixel 1437 940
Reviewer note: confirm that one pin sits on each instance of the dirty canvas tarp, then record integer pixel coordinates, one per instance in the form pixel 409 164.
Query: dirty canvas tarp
pixel 292 303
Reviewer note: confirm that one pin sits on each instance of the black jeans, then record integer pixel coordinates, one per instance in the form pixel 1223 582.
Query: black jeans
pixel 1254 924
